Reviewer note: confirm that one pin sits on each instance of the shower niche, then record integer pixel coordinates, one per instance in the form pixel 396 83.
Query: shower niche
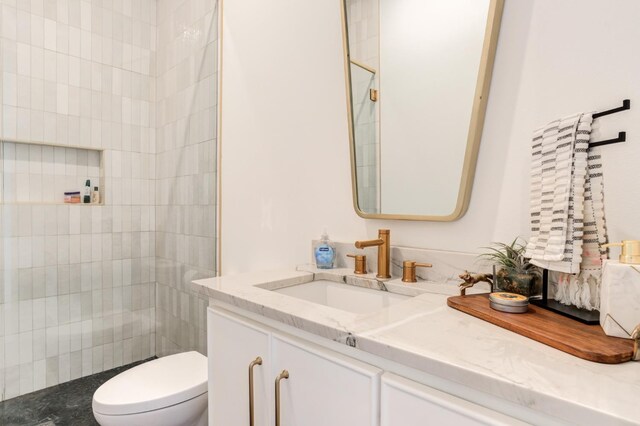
pixel 34 173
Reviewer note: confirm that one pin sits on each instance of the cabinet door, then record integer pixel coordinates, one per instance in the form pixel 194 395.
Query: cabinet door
pixel 407 403
pixel 324 388
pixel 233 344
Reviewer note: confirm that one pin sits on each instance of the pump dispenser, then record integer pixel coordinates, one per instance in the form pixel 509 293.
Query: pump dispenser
pixel 324 252
pixel 620 293
pixel 630 252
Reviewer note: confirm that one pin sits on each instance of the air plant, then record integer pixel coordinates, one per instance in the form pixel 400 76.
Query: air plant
pixel 513 271
pixel 510 257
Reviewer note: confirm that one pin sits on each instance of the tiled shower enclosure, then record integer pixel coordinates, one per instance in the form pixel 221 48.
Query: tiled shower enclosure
pixel 124 94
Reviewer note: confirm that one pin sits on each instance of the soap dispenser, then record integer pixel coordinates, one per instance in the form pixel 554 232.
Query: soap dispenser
pixel 324 252
pixel 620 291
pixel 630 252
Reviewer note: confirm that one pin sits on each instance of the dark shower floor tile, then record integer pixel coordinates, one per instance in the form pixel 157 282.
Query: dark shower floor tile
pixel 68 404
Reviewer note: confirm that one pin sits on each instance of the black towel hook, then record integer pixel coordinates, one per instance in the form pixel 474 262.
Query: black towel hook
pixel 622 136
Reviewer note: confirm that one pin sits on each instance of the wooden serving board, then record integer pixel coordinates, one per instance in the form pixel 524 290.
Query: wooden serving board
pixel 585 341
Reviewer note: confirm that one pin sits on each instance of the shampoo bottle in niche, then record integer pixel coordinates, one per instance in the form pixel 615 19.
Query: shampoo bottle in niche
pixel 325 252
pixel 87 192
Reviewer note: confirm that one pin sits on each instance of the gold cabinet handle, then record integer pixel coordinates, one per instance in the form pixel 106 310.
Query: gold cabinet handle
pixel 283 375
pixel 257 361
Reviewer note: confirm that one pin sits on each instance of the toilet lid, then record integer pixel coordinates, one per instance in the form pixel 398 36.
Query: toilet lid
pixel 153 385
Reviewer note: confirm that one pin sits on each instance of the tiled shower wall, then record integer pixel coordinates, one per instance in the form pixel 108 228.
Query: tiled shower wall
pixel 186 166
pixel 77 283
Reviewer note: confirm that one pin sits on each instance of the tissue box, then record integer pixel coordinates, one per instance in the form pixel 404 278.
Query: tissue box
pixel 619 298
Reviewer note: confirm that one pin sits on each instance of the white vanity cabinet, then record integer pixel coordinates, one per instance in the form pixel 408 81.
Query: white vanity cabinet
pixel 405 365
pixel 407 403
pixel 233 346
pixel 322 387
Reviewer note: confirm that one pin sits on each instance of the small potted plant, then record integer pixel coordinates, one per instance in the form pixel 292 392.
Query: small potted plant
pixel 512 272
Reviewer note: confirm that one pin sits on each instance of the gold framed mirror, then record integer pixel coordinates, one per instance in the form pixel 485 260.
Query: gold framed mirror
pixel 417 81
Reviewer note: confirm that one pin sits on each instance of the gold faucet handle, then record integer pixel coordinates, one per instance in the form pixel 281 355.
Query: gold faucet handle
pixel 409 270
pixel 360 267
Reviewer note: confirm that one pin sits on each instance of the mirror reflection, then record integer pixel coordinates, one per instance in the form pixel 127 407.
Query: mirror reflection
pixel 417 70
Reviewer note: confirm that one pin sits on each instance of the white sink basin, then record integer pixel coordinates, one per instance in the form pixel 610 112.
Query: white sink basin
pixel 347 297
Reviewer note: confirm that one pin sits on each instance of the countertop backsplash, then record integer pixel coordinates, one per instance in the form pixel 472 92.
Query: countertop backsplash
pixel 447 265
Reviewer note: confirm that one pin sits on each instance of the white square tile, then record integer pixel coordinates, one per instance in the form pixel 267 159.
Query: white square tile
pixel 62 68
pixel 50 9
pixel 74 13
pixel 74 42
pixel 24 101
pixel 62 38
pixel 26 378
pixel 50 34
pixel 26 347
pixel 62 11
pixel 9 18
pixel 51 343
pixel 37 30
pixel 85 45
pixel 39 374
pixel 23 26
pixel 9 89
pixel 62 92
pixel 64 368
pixel 52 371
pixel 23 52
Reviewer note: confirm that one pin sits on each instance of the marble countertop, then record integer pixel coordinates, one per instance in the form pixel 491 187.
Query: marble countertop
pixel 422 332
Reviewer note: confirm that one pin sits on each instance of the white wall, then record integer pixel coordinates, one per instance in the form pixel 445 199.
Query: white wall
pixel 285 155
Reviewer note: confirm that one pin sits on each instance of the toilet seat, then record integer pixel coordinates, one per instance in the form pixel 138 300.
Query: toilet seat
pixel 153 385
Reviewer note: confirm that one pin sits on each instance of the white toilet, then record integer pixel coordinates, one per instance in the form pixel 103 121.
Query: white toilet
pixel 169 391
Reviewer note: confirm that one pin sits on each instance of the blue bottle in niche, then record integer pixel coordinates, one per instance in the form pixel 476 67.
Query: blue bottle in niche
pixel 325 252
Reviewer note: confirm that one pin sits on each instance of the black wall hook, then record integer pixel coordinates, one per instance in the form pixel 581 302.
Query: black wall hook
pixel 622 136
pixel 626 104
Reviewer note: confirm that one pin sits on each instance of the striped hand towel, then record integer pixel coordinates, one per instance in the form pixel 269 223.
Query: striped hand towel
pixel 567 210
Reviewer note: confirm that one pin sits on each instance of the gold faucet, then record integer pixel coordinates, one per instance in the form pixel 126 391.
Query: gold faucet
pixel 384 249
